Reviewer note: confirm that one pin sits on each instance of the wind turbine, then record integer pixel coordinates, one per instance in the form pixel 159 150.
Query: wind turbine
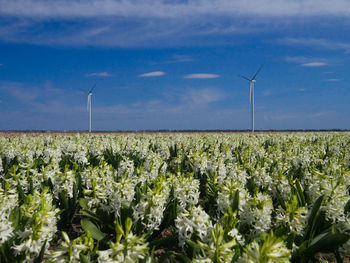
pixel 251 98
pixel 89 105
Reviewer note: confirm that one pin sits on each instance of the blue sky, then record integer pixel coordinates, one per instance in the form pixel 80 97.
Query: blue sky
pixel 173 64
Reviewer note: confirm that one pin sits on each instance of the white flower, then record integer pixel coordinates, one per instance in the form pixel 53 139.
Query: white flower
pixel 186 191
pixel 257 213
pixel 8 201
pixel 195 220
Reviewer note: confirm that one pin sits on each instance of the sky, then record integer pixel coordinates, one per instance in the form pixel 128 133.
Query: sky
pixel 174 64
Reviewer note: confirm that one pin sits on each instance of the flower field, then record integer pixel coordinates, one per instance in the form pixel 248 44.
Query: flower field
pixel 175 198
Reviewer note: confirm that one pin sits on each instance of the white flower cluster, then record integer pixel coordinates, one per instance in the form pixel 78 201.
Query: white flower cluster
pixel 152 205
pixel 225 195
pixel 8 201
pixel 103 191
pixel 40 218
pixel 126 168
pixel 293 216
pixel 336 194
pixel 186 191
pixel 257 213
pixel 195 221
pixel 152 167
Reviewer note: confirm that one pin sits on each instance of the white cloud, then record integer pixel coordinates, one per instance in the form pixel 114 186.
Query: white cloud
pixel 172 9
pixel 314 64
pixel 316 43
pixel 174 59
pixel 152 74
pixel 302 59
pixel 181 58
pixel 153 23
pixel 1 65
pixel 201 76
pixel 307 61
pixel 203 96
pixel 98 74
pixel 333 80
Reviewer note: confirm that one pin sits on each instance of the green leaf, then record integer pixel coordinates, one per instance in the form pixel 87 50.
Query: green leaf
pixel 313 218
pixel 192 244
pixel 63 199
pixel 300 193
pixel 235 201
pixel 90 227
pixel 347 207
pixel 327 241
pixel 83 259
pixel 83 203
pixel 280 199
pixel 182 258
pixel 21 194
pixel 75 195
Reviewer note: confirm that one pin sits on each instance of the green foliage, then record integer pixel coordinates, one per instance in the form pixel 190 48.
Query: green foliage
pixel 91 228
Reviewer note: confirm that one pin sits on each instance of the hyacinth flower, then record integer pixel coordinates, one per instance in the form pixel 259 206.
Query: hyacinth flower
pixel 36 226
pixel 195 222
pixel 149 211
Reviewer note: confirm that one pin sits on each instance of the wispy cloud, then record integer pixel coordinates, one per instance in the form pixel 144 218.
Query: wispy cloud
pixel 172 9
pixel 174 59
pixel 98 74
pixel 333 80
pixel 181 58
pixel 152 74
pixel 201 76
pixel 1 65
pixel 203 96
pixel 153 22
pixel 307 61
pixel 316 43
pixel 301 59
pixel 314 64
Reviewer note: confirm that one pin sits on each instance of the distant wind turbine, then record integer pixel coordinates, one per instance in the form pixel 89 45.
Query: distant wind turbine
pixel 251 98
pixel 89 105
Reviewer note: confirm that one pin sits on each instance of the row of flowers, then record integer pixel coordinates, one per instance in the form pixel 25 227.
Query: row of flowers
pixel 194 198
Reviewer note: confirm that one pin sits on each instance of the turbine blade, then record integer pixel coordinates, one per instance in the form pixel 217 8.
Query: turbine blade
pixel 92 88
pixel 88 101
pixel 250 93
pixel 241 76
pixel 256 74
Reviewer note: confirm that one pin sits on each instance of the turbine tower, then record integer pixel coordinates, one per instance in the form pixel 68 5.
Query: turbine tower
pixel 89 105
pixel 251 98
